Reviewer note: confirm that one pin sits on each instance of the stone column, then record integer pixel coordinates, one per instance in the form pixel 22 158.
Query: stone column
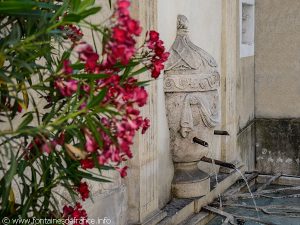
pixel 230 68
pixel 143 168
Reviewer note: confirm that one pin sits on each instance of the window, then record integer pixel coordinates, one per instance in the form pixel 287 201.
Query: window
pixel 247 24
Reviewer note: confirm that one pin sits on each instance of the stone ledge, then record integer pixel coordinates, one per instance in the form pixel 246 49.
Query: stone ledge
pixel 283 180
pixel 155 218
pixel 201 218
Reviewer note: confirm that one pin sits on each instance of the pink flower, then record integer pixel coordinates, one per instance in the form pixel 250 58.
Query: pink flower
pixel 87 54
pixel 48 147
pixel 67 210
pixel 76 214
pixel 140 96
pixel 159 48
pixel 116 157
pixel 83 190
pixel 122 7
pixel 154 36
pixel 86 88
pixel 160 56
pixel 19 108
pixel 67 69
pixel 134 27
pixel 90 145
pixel 66 87
pixel 123 4
pixel 146 125
pixel 121 52
pixel 42 144
pixel 102 159
pixel 157 68
pixel 123 171
pixel 83 106
pixel 119 35
pixel 87 164
pixel 61 138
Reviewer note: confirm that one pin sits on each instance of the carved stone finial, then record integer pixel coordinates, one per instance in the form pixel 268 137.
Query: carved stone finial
pixel 186 57
pixel 182 23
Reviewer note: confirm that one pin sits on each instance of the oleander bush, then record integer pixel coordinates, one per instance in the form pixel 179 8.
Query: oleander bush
pixel 69 109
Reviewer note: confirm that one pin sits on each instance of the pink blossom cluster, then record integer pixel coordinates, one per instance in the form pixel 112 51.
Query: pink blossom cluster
pixel 43 144
pixel 157 53
pixel 124 94
pixel 121 46
pixel 118 131
pixel 72 32
pixel 76 215
pixel 83 190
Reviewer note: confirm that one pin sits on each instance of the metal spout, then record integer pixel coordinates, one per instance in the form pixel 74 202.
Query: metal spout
pixel 221 132
pixel 200 142
pixel 218 162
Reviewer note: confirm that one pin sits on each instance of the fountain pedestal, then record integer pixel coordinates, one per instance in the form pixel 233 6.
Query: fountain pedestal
pixel 189 181
pixel 191 86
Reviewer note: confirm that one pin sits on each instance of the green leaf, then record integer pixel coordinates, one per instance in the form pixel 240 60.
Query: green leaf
pixel 143 83
pixel 91 76
pixel 85 4
pixel 26 121
pixel 70 18
pixel 93 128
pixel 11 6
pixel 59 12
pixel 142 70
pixel 78 66
pixel 89 12
pixel 91 177
pixel 97 99
pixel 12 170
pixel 75 5
pixel 5 183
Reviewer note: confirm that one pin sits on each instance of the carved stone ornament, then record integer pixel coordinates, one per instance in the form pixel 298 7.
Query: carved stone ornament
pixel 191 86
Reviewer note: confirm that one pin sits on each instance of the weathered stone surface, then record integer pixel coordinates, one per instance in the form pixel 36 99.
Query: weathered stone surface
pixel 191 87
pixel 245 113
pixel 278 146
pixel 110 205
pixel 189 179
pixel 277 67
pixel 245 92
pixel 205 23
pixel 246 146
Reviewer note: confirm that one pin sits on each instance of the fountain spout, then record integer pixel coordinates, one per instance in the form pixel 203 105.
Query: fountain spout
pixel 200 142
pixel 218 162
pixel 221 132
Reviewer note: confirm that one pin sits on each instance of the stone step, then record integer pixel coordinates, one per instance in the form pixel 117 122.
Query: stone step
pixel 201 218
pixel 178 210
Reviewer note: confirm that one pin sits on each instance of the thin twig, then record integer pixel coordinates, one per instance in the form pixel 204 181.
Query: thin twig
pixel 262 193
pixel 227 215
pixel 264 186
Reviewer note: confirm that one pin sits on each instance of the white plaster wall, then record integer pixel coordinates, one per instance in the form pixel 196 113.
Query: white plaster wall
pixel 205 17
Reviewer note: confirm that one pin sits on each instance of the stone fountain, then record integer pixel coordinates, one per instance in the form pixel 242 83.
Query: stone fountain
pixel 191 87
